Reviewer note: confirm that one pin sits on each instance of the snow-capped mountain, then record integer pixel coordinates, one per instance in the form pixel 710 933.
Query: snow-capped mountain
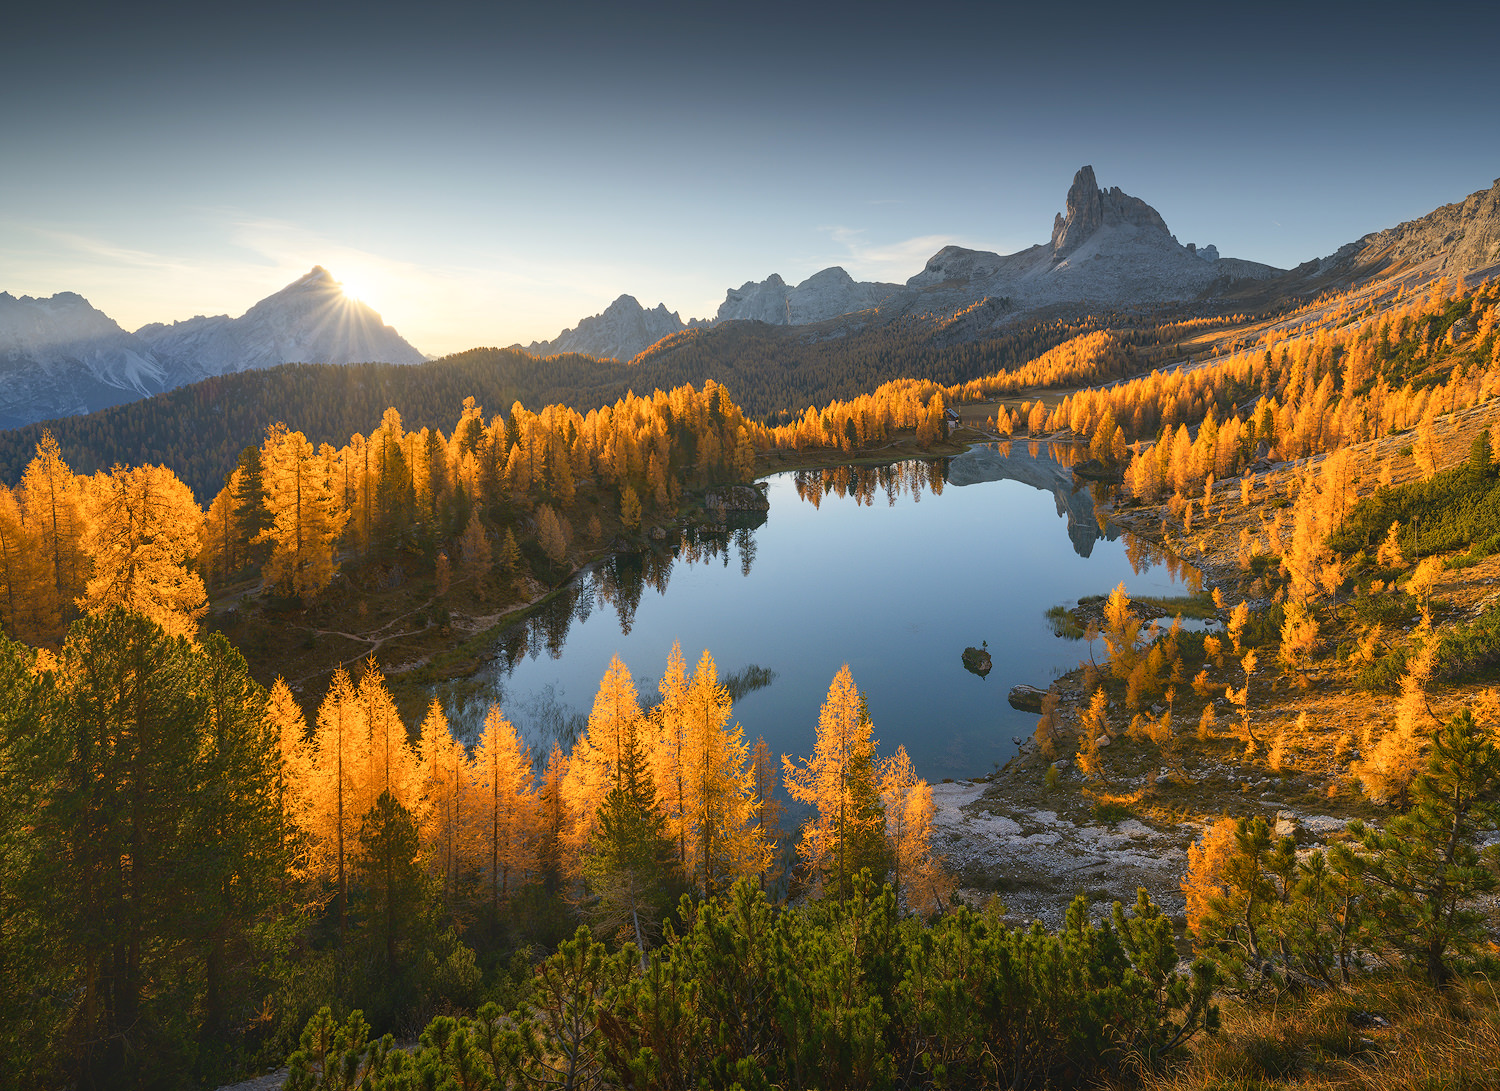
pixel 60 356
pixel 311 320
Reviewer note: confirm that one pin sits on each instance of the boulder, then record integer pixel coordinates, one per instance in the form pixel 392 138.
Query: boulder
pixel 1026 698
pixel 730 499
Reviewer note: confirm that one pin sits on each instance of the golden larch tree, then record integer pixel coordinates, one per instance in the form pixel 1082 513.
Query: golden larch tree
pixel 339 746
pixel 294 775
pixel 52 508
pixel 595 760
pixel 501 841
pixel 722 840
pixel 916 874
pixel 551 818
pixel 445 775
pixel 144 528
pixel 666 732
pixel 390 765
pixel 306 517
pixel 28 598
pixel 847 830
pixel 222 551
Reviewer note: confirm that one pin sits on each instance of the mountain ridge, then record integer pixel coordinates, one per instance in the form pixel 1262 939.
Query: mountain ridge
pixel 60 356
pixel 1107 248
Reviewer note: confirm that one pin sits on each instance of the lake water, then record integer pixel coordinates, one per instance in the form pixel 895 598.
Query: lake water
pixel 893 570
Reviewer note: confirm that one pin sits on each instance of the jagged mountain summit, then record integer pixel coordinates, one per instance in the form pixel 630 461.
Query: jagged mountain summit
pixel 1107 249
pixel 622 330
pixel 625 328
pixel 60 356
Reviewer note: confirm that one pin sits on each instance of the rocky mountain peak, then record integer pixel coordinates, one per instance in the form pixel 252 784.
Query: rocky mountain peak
pixel 1090 208
pixel 619 332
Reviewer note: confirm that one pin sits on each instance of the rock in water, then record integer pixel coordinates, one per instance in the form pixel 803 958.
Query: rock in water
pixel 1026 698
pixel 977 661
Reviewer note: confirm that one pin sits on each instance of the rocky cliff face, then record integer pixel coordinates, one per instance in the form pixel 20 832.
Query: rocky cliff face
pixel 1089 209
pixel 625 328
pixel 1463 237
pixel 308 321
pixel 60 356
pixel 1107 249
pixel 826 294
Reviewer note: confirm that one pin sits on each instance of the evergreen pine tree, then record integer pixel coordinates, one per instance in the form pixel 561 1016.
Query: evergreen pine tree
pixel 1425 866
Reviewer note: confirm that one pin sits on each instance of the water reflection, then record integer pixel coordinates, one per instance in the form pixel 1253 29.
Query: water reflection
pixel 963 551
pixel 618 581
pixel 1046 466
pixel 895 480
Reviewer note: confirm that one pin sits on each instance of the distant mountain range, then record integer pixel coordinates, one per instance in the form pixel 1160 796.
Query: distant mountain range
pixel 60 356
pixel 1108 250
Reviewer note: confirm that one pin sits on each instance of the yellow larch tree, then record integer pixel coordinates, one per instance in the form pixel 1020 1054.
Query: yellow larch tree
pixel 220 554
pixel 1092 726
pixel 339 746
pixel 847 829
pixel 294 775
pixel 666 733
pixel 1121 631
pixel 501 840
pixel 549 534
pixel 306 517
pixel 52 509
pixel 1390 764
pixel 1204 884
pixel 28 598
pixel 445 774
pixel 722 839
pixel 630 508
pixel 390 765
pixel 916 874
pixel 474 549
pixel 143 530
pixel 595 760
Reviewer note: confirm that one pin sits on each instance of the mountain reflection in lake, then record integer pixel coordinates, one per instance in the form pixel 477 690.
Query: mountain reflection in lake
pixel 893 569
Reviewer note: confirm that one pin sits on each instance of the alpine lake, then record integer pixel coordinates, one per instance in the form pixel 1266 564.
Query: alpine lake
pixel 894 570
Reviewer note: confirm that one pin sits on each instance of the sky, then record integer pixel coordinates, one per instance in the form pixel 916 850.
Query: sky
pixel 486 175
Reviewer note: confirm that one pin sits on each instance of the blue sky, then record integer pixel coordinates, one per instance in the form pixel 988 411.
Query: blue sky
pixel 491 175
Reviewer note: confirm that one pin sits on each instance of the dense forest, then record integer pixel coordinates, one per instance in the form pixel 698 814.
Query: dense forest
pixel 773 372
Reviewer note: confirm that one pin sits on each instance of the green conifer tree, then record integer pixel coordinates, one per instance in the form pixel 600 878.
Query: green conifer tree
pixel 1424 869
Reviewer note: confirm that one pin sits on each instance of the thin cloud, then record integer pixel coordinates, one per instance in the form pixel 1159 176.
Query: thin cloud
pixel 889 261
